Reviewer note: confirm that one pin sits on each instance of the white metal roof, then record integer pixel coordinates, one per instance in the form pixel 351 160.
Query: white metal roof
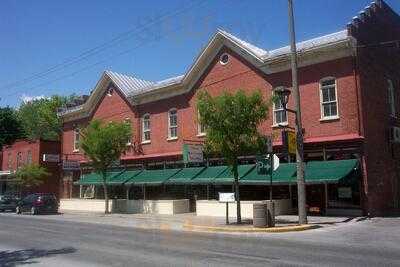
pixel 127 84
pixel 259 52
pixel 310 44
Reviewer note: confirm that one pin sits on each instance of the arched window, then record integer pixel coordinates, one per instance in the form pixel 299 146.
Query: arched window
pixel 201 129
pixel 328 98
pixel 280 114
pixel 146 128
pixel 173 124
pixel 76 139
pixel 128 121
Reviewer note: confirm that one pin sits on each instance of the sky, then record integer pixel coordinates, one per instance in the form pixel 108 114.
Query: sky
pixel 62 47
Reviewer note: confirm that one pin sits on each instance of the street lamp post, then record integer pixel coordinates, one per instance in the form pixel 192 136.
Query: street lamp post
pixel 283 95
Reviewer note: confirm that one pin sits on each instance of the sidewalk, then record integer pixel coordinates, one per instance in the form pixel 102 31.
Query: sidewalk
pixel 191 222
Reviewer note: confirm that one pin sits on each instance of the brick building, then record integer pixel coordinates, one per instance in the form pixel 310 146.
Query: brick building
pixel 23 152
pixel 350 99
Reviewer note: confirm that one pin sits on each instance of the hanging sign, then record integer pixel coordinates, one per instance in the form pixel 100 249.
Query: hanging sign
pixel 289 142
pixel 51 157
pixel 70 165
pixel 226 197
pixel 192 153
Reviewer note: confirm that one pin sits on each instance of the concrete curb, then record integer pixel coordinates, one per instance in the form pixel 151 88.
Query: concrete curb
pixel 279 229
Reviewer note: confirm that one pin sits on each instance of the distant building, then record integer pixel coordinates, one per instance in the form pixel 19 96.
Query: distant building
pixel 350 97
pixel 21 152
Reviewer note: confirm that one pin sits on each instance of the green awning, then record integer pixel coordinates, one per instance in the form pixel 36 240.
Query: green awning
pixel 123 177
pixel 226 177
pixel 185 175
pixel 153 177
pixel 285 174
pixel 331 171
pixel 93 178
pixel 208 174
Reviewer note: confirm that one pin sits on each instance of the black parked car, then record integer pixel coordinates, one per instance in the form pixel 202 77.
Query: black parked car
pixel 8 202
pixel 38 203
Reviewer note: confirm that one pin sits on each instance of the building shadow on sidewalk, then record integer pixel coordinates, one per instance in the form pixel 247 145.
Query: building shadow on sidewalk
pixel 10 258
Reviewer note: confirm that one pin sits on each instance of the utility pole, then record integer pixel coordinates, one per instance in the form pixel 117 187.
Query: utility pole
pixel 301 188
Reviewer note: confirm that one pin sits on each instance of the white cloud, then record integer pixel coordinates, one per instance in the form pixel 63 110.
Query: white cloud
pixel 26 98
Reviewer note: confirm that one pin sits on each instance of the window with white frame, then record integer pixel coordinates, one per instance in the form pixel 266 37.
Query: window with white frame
pixel 9 163
pixel 76 139
pixel 201 129
pixel 128 121
pixel 146 128
pixel 328 96
pixel 391 99
pixel 19 160
pixel 29 157
pixel 173 124
pixel 280 114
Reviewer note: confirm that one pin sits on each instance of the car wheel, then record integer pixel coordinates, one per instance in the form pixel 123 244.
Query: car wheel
pixel 18 210
pixel 34 211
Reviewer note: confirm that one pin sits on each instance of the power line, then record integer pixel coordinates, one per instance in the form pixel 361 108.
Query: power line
pixel 99 62
pixel 104 60
pixel 98 49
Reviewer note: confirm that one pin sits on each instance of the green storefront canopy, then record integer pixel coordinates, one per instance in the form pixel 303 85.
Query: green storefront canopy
pixel 112 178
pixel 285 174
pixel 331 171
pixel 185 175
pixel 226 177
pixel 208 175
pixel 152 177
pixel 123 177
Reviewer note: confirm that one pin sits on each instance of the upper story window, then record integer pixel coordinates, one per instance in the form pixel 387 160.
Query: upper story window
pixel 173 124
pixel 146 128
pixel 391 99
pixel 29 157
pixel 328 97
pixel 280 114
pixel 19 159
pixel 76 139
pixel 201 129
pixel 9 162
pixel 128 121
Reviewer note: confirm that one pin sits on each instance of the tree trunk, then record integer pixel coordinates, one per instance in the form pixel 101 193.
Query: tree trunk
pixel 237 195
pixel 106 210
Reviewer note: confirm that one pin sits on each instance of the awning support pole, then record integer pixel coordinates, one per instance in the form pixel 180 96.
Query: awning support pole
pixel 326 196
pixel 144 192
pixel 80 191
pixel 208 192
pixel 127 192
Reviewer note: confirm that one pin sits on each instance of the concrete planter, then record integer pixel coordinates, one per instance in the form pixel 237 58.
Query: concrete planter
pixel 174 206
pixel 218 209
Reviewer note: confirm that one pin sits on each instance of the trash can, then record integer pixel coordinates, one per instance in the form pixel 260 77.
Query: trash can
pixel 270 214
pixel 259 214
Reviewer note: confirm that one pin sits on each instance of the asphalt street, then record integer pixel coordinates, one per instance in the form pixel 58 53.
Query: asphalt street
pixel 43 241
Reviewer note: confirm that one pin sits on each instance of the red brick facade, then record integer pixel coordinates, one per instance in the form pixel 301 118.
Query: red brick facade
pixel 22 152
pixel 361 127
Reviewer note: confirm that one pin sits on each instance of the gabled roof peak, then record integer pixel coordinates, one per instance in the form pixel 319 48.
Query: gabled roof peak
pixel 127 84
pixel 259 52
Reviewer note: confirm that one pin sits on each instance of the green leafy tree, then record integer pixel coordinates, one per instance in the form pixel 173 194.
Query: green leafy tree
pixel 10 126
pixel 39 117
pixel 231 122
pixel 104 144
pixel 31 175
